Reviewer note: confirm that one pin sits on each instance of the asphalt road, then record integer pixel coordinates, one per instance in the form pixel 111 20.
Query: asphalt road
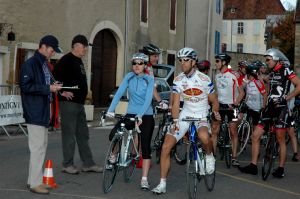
pixel 230 183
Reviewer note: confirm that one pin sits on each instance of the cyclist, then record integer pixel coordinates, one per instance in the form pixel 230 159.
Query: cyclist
pixel 280 78
pixel 242 71
pixel 196 89
pixel 153 53
pixel 230 94
pixel 204 67
pixel 256 95
pixel 140 90
pixel 263 73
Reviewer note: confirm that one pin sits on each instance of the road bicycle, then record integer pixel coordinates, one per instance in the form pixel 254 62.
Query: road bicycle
pixel 179 152
pixel 196 162
pixel 123 152
pixel 244 132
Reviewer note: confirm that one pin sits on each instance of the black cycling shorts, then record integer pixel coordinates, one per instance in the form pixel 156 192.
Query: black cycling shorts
pixel 254 115
pixel 225 110
pixel 281 116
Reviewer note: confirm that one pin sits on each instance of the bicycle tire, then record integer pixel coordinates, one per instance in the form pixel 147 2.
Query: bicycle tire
pixel 209 179
pixel 268 158
pixel 110 170
pixel 227 147
pixel 192 177
pixel 180 152
pixel 243 136
pixel 157 143
pixel 131 157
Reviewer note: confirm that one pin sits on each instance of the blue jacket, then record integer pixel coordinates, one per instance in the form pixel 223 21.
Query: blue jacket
pixel 34 91
pixel 140 90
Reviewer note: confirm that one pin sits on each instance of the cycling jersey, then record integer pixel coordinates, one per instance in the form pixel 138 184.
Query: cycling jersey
pixel 194 90
pixel 140 90
pixel 149 70
pixel 254 90
pixel 280 82
pixel 227 86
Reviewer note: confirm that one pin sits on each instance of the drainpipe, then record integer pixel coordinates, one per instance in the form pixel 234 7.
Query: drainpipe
pixel 126 37
pixel 208 30
pixel 185 21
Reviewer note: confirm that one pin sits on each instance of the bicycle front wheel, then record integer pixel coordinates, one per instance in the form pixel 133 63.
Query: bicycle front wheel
pixel 192 175
pixel 243 136
pixel 268 159
pixel 111 166
pixel 209 178
pixel 227 147
pixel 132 158
pixel 157 143
pixel 180 152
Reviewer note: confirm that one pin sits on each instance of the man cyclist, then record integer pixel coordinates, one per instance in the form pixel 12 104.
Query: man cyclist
pixel 280 79
pixel 196 89
pixel 230 94
pixel 203 66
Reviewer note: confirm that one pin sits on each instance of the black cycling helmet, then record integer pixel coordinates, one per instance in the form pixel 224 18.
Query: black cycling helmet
pixel 258 63
pixel 223 57
pixel 252 69
pixel 151 49
pixel 243 64
pixel 203 65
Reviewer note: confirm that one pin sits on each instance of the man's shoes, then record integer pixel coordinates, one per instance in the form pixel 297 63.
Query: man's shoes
pixel 161 188
pixel 235 163
pixel 70 170
pixel 40 189
pixel 278 173
pixel 145 185
pixel 94 168
pixel 250 169
pixel 210 164
pixel 295 157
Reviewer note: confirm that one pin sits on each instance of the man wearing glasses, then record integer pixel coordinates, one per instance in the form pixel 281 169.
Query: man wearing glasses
pixel 230 94
pixel 281 78
pixel 196 90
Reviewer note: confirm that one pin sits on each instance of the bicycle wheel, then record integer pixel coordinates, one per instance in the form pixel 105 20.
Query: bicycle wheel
pixel 157 142
pixel 209 178
pixel 111 169
pixel 227 147
pixel 131 158
pixel 243 136
pixel 180 152
pixel 268 159
pixel 192 176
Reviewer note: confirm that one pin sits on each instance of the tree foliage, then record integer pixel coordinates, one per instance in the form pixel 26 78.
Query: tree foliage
pixel 284 35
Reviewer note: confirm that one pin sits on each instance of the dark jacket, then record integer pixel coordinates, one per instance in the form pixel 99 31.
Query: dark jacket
pixel 70 71
pixel 34 91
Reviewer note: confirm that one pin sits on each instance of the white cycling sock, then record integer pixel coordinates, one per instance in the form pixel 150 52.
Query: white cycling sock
pixel 163 181
pixel 144 179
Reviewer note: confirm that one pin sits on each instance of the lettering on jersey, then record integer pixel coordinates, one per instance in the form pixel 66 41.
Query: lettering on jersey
pixel 193 92
pixel 260 86
pixel 203 78
pixel 279 91
pixel 178 78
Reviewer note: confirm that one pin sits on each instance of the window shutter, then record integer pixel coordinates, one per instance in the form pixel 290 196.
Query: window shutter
pixel 172 15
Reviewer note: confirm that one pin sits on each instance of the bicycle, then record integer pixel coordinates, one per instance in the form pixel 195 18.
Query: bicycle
pixel 196 163
pixel 124 146
pixel 244 131
pixel 296 116
pixel 179 151
pixel 224 142
pixel 270 152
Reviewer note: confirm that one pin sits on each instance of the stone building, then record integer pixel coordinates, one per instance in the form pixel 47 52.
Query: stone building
pixel 117 28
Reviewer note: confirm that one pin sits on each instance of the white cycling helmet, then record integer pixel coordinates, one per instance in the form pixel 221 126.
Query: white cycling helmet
pixel 187 52
pixel 276 55
pixel 140 56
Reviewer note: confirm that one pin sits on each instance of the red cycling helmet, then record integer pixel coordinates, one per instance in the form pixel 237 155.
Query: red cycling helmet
pixel 203 65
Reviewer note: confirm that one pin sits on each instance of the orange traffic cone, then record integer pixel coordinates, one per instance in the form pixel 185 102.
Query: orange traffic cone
pixel 48 178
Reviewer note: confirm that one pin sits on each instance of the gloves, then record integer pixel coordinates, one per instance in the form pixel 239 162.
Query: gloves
pixel 163 104
pixel 110 114
pixel 138 120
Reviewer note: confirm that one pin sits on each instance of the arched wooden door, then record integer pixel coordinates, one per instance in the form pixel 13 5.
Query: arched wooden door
pixel 104 62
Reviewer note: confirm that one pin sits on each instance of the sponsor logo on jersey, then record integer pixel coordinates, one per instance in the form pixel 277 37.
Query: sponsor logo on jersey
pixel 178 78
pixel 192 92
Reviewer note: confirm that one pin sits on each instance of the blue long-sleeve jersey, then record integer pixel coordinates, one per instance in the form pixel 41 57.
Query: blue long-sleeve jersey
pixel 140 90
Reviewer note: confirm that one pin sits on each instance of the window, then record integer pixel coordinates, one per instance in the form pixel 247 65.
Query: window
pixel 240 27
pixel 240 48
pixel 218 6
pixel 232 10
pixel 173 14
pixel 171 59
pixel 144 11
pixel 224 47
pixel 217 42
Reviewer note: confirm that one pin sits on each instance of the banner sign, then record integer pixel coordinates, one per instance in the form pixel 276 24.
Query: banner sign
pixel 11 111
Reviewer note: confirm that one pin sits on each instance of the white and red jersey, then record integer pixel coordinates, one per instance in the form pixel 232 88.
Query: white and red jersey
pixel 149 70
pixel 227 86
pixel 254 91
pixel 194 90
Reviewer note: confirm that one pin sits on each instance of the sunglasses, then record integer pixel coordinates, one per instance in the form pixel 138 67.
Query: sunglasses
pixel 217 61
pixel 185 60
pixel 267 60
pixel 137 63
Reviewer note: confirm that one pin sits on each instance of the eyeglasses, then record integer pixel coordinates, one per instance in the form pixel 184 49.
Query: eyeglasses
pixel 137 63
pixel 217 61
pixel 184 59
pixel 267 60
